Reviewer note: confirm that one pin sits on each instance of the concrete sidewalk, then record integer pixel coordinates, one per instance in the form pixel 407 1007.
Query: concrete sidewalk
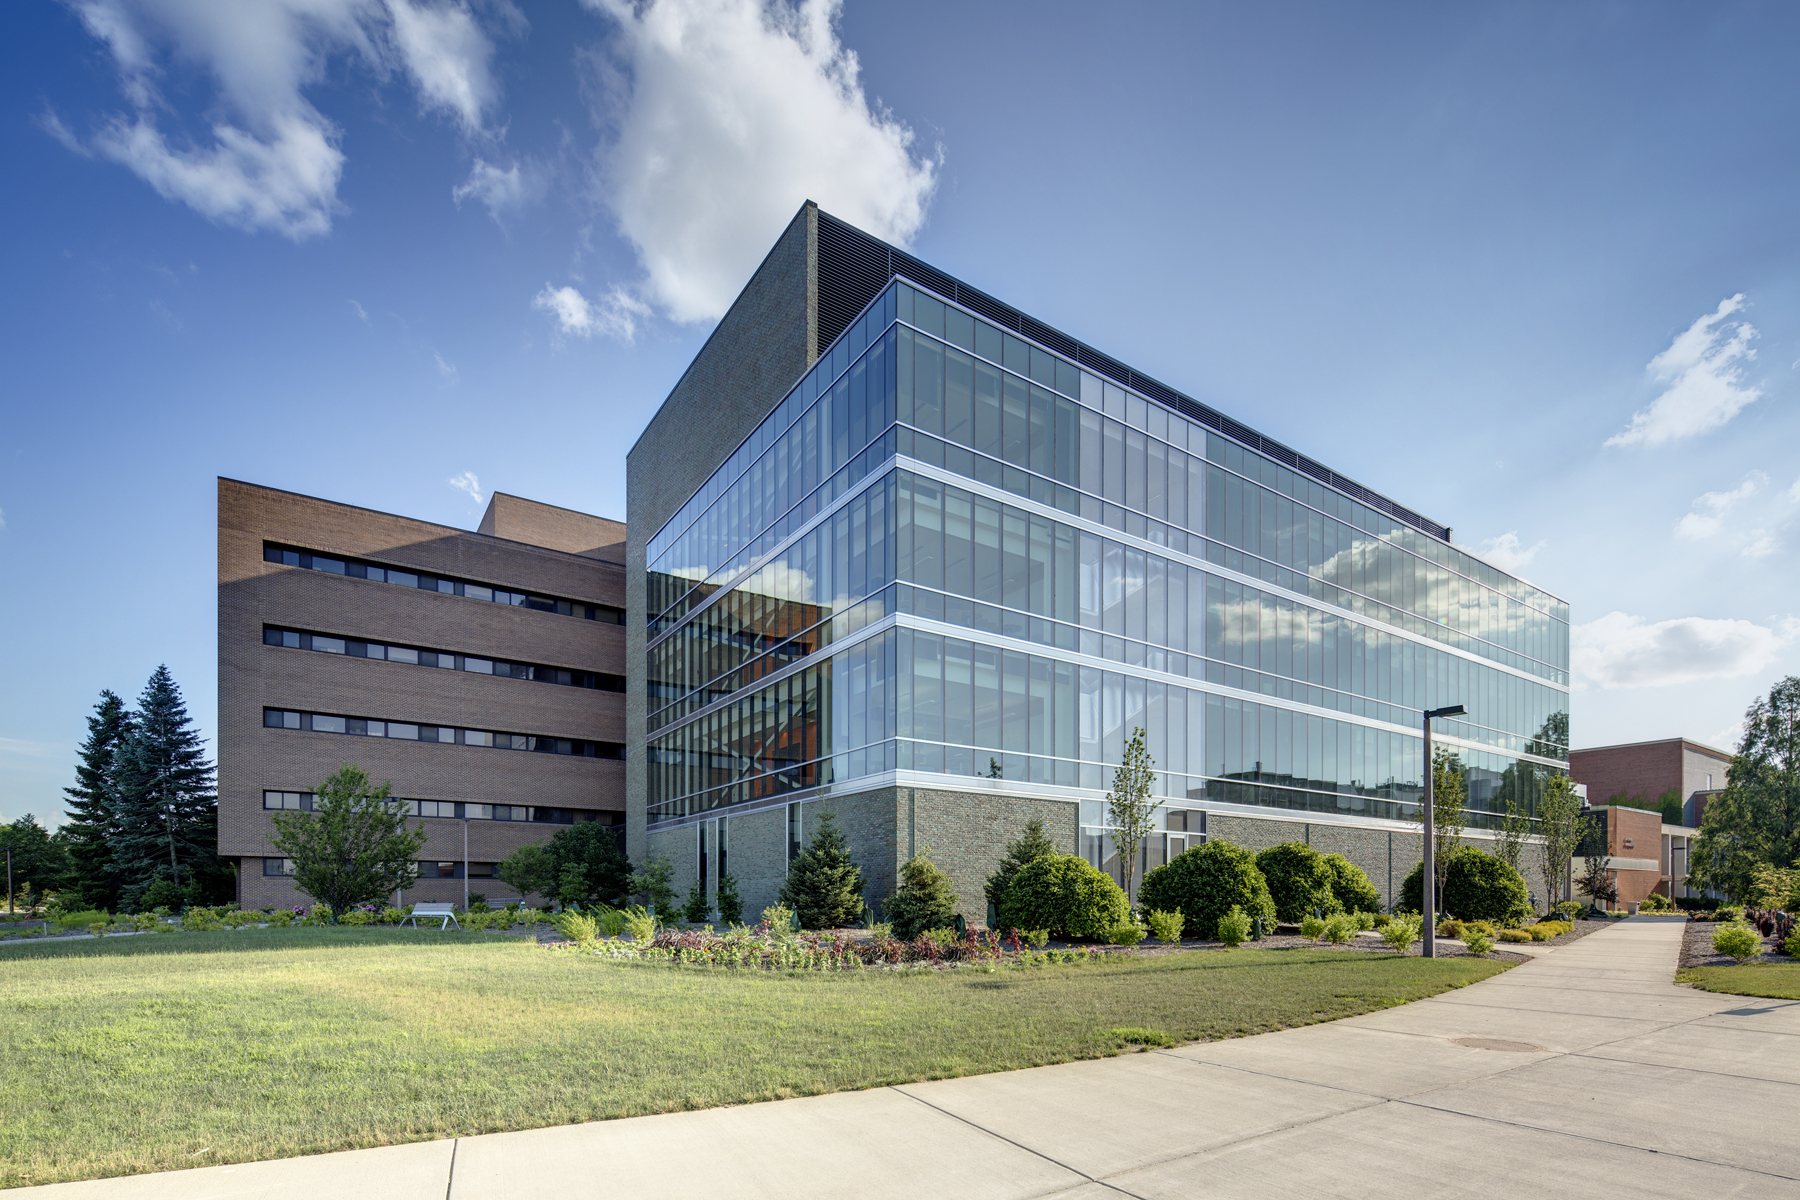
pixel 1586 1068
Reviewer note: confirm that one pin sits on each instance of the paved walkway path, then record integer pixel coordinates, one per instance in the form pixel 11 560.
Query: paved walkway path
pixel 1584 1070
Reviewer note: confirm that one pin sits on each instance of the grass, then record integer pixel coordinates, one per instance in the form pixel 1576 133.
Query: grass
pixel 1778 981
pixel 161 1052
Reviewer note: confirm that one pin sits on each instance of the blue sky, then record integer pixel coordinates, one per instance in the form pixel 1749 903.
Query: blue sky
pixel 1528 268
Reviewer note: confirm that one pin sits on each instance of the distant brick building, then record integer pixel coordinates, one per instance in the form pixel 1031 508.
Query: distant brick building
pixel 1649 855
pixel 481 673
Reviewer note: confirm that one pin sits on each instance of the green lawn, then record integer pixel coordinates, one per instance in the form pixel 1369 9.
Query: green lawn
pixel 1780 981
pixel 152 1053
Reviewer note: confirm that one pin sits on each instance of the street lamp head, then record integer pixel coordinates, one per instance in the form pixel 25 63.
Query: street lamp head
pixel 1454 710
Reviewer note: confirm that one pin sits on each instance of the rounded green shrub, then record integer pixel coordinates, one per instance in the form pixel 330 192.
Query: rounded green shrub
pixel 1300 880
pixel 1477 887
pixel 1737 941
pixel 1203 884
pixel 925 899
pixel 1234 927
pixel 1066 895
pixel 1350 884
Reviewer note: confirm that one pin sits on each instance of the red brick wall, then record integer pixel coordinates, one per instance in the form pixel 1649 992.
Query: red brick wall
pixel 1647 770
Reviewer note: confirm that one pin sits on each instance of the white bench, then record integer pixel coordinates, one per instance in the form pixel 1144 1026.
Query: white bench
pixel 446 911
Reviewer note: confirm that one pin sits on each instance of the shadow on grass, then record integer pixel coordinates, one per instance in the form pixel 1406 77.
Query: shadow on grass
pixel 228 941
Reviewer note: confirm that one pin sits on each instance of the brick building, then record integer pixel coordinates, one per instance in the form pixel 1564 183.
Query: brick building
pixel 481 673
pixel 1651 855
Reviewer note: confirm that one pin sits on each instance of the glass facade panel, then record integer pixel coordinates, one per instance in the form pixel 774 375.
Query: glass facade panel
pixel 949 551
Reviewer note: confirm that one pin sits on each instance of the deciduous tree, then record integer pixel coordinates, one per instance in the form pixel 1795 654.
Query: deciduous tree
pixel 1757 820
pixel 1559 832
pixel 1130 808
pixel 353 847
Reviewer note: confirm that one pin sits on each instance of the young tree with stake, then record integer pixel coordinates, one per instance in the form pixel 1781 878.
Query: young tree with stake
pixel 1130 808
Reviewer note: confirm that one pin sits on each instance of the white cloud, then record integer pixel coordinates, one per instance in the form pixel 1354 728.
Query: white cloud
pixel 614 315
pixel 466 482
pixel 1793 493
pixel 448 371
pixel 448 57
pixel 1707 518
pixel 491 186
pixel 725 115
pixel 272 161
pixel 1762 543
pixel 2 518
pixel 362 314
pixel 1624 651
pixel 1705 384
pixel 1507 553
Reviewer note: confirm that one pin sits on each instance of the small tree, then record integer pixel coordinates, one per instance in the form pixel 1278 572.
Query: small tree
pixel 353 847
pixel 731 905
pixel 696 910
pixel 581 864
pixel 1130 808
pixel 1514 832
pixel 1596 875
pixel 1559 832
pixel 1449 812
pixel 653 887
pixel 824 885
pixel 1033 843
pixel 88 813
pixel 925 899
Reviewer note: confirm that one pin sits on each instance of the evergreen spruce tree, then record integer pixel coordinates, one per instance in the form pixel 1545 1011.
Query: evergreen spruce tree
pixel 731 905
pixel 824 885
pixel 88 811
pixel 1034 843
pixel 165 810
pixel 925 899
pixel 697 908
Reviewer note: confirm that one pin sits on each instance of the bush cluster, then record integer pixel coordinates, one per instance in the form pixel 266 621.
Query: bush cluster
pixel 1205 883
pixel 1068 896
pixel 1300 881
pixel 1477 887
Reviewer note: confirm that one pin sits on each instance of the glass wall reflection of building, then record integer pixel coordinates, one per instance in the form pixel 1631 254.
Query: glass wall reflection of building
pixel 938 585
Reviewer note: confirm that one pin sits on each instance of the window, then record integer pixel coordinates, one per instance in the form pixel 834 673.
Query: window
pixel 793 833
pixel 433 808
pixel 445 870
pixel 355 569
pixel 482 870
pixel 441 734
pixel 278 866
pixel 290 801
pixel 295 639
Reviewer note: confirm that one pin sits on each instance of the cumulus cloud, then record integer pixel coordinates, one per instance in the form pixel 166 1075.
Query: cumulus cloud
pixel 724 115
pixel 1707 518
pixel 1507 553
pixel 466 482
pixel 1705 382
pixel 1624 651
pixel 615 314
pixel 271 161
pixel 489 185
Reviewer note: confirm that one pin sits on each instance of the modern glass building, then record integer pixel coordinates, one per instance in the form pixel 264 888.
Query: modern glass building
pixel 936 582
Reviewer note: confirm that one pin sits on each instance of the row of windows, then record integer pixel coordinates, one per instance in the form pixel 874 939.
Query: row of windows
pixel 1054 721
pixel 1003 558
pixel 358 569
pixel 428 869
pixel 457 809
pixel 1141 460
pixel 416 656
pixel 274 718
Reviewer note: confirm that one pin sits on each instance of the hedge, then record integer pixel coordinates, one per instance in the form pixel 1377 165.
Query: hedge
pixel 1066 895
pixel 1204 883
pixel 1300 880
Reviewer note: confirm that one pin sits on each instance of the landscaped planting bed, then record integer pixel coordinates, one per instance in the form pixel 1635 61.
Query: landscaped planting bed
pixel 157 1052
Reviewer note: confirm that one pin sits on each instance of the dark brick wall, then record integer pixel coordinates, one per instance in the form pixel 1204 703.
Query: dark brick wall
pixel 759 350
pixel 253 676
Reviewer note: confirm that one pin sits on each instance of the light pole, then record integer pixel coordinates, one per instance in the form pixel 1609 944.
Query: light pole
pixel 1428 884
pixel 465 860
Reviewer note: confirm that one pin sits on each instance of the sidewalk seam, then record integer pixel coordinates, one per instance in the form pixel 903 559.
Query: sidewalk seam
pixel 1002 1137
pixel 450 1180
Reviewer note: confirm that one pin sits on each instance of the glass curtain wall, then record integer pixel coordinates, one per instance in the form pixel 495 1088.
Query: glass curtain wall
pixel 806 600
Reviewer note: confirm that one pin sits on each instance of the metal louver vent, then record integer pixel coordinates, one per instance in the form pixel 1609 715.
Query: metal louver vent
pixel 854 267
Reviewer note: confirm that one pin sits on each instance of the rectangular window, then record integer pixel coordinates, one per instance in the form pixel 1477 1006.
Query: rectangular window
pixel 445 870
pixel 409 733
pixel 793 833
pixel 328 645
pixel 290 801
pixel 324 724
pixel 477 737
pixel 479 666
pixel 278 866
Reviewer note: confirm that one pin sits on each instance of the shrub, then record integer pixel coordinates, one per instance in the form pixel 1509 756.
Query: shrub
pixel 607 919
pixel 1034 843
pixel 1066 895
pixel 1728 912
pixel 824 885
pixel 640 923
pixel 1655 902
pixel 1207 882
pixel 199 920
pixel 1737 940
pixel 779 919
pixel 1340 929
pixel 1165 925
pixel 697 909
pixel 1402 932
pixel 1477 887
pixel 925 899
pixel 1791 947
pixel 1366 921
pixel 82 920
pixel 1037 939
pixel 1450 929
pixel 1380 921
pixel 1569 909
pixel 1300 880
pixel 1234 927
pixel 731 905
pixel 1479 944
pixel 1312 927
pixel 1350 884
pixel 579 928
pixel 1125 934
pixel 389 916
pixel 355 916
pixel 1515 935
pixel 281 918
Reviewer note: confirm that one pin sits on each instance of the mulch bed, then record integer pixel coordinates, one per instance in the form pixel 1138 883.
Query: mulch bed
pixel 1697 949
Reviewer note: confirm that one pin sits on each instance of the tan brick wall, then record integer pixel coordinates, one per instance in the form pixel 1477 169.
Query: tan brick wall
pixel 253 676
